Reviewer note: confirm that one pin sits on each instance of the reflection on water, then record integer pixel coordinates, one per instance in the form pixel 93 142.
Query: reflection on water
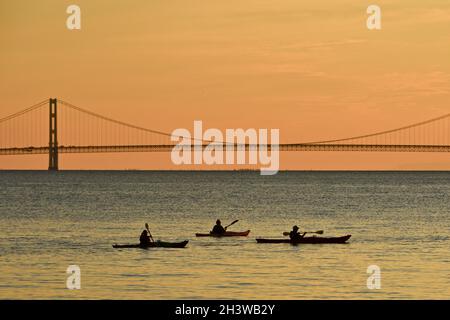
pixel 399 221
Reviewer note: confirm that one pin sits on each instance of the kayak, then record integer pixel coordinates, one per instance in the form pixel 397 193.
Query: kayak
pixel 157 244
pixel 311 240
pixel 226 234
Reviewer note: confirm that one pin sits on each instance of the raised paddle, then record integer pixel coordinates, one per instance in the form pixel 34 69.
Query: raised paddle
pixel 231 224
pixel 148 230
pixel 318 232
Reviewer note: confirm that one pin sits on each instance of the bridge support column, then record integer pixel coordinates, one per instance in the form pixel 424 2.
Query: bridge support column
pixel 53 136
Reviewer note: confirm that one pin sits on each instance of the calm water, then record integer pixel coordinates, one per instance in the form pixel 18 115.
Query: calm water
pixel 398 221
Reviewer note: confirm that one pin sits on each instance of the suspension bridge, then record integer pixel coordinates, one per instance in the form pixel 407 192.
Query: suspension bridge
pixel 54 126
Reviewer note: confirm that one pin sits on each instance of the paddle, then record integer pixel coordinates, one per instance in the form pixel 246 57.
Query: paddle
pixel 318 232
pixel 231 224
pixel 148 230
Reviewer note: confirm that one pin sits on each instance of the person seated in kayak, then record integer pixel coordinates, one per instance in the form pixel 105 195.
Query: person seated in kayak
pixel 218 229
pixel 295 235
pixel 145 238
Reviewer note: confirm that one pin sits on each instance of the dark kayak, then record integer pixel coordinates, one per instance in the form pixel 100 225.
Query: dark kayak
pixel 226 234
pixel 311 240
pixel 156 244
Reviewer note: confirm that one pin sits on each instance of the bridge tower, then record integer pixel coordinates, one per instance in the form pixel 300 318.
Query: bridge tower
pixel 53 136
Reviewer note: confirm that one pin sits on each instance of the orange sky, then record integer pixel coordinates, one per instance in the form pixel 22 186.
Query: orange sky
pixel 310 68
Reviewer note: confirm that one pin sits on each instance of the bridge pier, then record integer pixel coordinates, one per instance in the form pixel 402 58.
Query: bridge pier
pixel 53 136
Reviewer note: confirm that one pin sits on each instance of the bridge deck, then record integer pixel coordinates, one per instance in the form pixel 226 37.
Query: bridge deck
pixel 281 147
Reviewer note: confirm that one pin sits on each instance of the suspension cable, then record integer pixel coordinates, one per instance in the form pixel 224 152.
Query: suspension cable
pixel 17 114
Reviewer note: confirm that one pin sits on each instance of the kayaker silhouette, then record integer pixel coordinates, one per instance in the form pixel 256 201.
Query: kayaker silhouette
pixel 295 235
pixel 145 238
pixel 218 229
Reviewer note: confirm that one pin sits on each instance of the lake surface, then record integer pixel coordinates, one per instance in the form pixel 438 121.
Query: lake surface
pixel 399 221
